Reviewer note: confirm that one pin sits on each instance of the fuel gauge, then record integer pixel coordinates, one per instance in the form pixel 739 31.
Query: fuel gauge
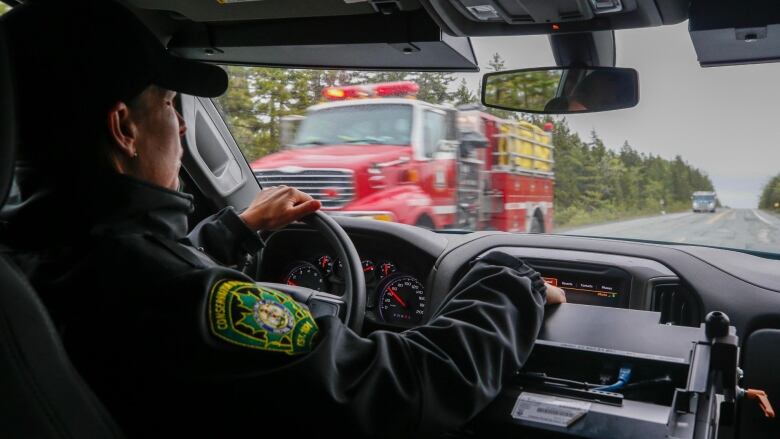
pixel 386 268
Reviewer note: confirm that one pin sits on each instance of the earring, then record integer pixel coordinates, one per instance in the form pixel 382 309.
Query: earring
pixel 135 155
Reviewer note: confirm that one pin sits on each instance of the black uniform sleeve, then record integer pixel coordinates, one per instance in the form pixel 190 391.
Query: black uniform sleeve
pixel 225 237
pixel 438 376
pixel 190 350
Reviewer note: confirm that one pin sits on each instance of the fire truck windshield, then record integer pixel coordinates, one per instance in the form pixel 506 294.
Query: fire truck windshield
pixel 356 125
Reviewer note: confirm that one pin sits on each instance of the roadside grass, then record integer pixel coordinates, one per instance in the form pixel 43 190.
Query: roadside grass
pixel 573 217
pixel 774 212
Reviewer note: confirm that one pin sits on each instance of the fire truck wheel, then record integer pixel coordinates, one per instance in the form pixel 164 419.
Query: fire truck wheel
pixel 537 224
pixel 425 222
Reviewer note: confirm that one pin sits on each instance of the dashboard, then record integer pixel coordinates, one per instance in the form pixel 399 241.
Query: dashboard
pixel 678 284
pixel 399 275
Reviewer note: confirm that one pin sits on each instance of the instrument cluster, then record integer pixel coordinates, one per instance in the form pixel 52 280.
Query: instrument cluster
pixel 394 296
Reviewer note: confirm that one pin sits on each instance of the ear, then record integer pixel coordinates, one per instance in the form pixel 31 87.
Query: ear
pixel 122 130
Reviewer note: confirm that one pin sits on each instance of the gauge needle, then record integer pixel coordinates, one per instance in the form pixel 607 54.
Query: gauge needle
pixel 291 282
pixel 367 269
pixel 398 298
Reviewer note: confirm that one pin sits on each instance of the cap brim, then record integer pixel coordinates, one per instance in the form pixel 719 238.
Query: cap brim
pixel 192 77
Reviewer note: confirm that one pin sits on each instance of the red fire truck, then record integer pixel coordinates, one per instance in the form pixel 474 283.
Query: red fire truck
pixel 375 151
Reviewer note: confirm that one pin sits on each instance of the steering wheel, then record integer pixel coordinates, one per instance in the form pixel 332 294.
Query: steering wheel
pixel 351 307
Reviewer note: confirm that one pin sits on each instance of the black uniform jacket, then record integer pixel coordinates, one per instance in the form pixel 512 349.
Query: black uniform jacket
pixel 129 290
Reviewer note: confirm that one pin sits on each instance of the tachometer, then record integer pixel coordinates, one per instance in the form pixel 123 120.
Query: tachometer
pixel 305 275
pixel 402 299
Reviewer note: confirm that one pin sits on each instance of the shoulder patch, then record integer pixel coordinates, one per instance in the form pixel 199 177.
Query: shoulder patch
pixel 245 314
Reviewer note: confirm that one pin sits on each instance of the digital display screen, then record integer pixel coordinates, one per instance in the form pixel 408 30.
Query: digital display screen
pixel 601 292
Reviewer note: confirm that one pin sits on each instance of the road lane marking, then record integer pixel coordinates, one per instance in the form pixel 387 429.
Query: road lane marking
pixel 760 217
pixel 755 212
pixel 717 217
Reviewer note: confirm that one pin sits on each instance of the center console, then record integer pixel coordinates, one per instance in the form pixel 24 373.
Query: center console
pixel 600 371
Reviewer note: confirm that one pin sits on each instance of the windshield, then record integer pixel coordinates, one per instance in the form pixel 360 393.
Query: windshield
pixel 356 124
pixel 637 173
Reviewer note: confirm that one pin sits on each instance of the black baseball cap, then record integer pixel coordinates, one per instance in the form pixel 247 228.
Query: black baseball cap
pixel 73 60
pixel 109 46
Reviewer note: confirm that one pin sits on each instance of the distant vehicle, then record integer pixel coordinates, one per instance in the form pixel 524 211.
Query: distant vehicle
pixel 704 201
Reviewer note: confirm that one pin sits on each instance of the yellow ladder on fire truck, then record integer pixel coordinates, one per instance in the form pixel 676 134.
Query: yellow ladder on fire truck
pixel 524 146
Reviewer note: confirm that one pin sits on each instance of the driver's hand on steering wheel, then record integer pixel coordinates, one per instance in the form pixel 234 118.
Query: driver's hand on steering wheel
pixel 277 206
pixel 555 295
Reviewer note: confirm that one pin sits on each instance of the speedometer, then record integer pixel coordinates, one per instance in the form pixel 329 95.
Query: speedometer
pixel 402 299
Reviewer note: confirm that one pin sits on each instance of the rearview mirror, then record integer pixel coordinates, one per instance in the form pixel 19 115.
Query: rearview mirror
pixel 561 90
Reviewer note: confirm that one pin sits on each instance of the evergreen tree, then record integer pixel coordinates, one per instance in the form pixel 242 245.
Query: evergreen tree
pixel 770 195
pixel 434 86
pixel 594 183
pixel 496 62
pixel 238 108
pixel 463 94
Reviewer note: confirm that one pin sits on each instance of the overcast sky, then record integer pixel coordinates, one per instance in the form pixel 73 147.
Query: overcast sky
pixel 723 120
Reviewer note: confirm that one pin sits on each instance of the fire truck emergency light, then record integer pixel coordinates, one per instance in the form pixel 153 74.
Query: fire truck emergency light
pixel 385 89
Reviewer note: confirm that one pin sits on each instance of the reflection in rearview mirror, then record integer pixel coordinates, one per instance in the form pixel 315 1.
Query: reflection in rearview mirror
pixel 561 90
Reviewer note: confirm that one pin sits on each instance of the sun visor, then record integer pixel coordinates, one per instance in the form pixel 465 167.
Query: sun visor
pixel 725 32
pixel 477 18
pixel 400 41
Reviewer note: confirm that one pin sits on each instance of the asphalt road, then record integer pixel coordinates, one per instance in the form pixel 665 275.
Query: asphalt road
pixel 750 229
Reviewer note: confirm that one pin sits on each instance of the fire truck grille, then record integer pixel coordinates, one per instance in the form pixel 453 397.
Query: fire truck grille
pixel 333 187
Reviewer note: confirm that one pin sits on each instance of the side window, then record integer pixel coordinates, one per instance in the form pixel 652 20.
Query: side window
pixel 433 131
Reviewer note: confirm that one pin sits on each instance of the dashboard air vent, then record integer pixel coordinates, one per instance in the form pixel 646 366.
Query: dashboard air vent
pixel 676 304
